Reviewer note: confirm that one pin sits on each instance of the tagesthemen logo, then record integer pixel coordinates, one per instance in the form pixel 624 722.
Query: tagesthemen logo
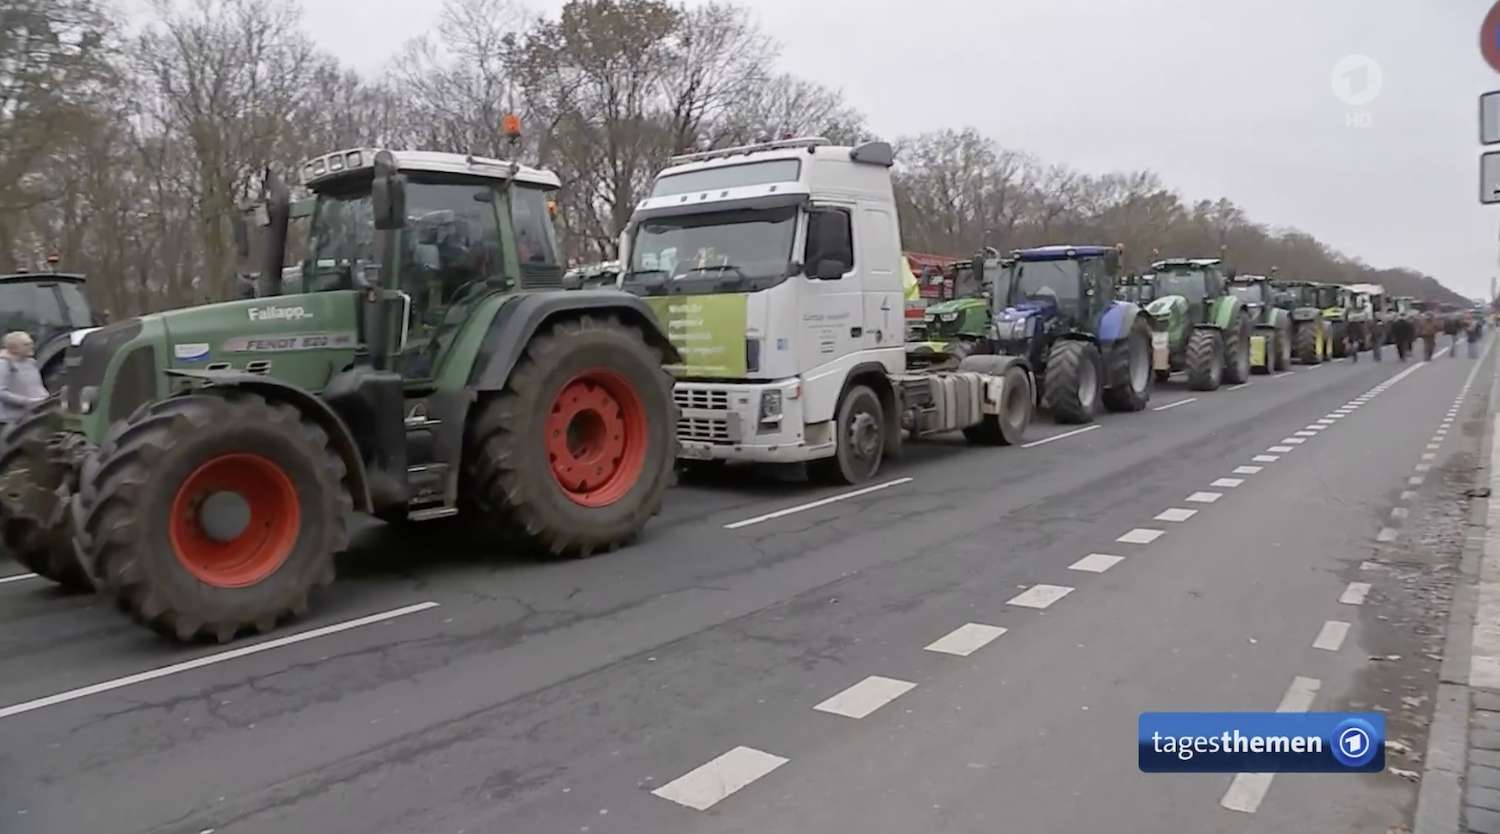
pixel 1357 80
pixel 1261 742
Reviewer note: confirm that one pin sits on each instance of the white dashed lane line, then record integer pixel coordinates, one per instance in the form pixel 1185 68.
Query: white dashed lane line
pixel 1175 404
pixel 1332 635
pixel 1040 596
pixel 1398 513
pixel 1035 443
pixel 1355 594
pixel 1205 497
pixel 865 697
pixel 812 505
pixel 1231 483
pixel 1175 514
pixel 966 639
pixel 706 786
pixel 1265 458
pixel 1280 450
pixel 1141 535
pixel 1386 534
pixel 16 577
pixel 1247 790
pixel 1096 563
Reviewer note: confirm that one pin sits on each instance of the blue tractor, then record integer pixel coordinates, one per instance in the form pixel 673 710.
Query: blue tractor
pixel 1060 312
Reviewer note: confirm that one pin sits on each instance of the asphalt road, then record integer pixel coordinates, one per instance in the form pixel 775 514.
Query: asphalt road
pixel 867 663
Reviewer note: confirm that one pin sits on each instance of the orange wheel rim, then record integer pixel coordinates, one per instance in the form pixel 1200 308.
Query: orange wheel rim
pixel 272 510
pixel 597 433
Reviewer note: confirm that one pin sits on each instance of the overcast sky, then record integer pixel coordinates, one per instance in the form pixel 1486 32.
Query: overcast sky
pixel 1230 98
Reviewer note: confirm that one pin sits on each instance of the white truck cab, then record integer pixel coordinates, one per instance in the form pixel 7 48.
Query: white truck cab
pixel 776 269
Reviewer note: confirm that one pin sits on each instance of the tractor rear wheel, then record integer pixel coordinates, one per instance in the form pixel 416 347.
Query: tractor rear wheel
pixel 575 454
pixel 30 541
pixel 1237 352
pixel 1307 344
pixel 1283 350
pixel 1072 382
pixel 1205 359
pixel 212 513
pixel 1134 389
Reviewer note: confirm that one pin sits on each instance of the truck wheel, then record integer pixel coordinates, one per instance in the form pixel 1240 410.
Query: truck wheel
pixel 574 455
pixel 1205 360
pixel 1237 353
pixel 1134 391
pixel 1016 409
pixel 213 513
pixel 1071 384
pixel 1307 345
pixel 859 427
pixel 29 540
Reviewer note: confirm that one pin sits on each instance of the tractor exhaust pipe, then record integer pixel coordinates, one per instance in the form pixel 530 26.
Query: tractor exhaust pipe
pixel 278 201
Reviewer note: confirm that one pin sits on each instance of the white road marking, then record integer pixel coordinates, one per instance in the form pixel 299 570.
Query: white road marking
pixel 1230 483
pixel 1422 467
pixel 1314 427
pixel 1398 512
pixel 1324 422
pixel 1241 385
pixel 210 660
pixel 1407 495
pixel 966 639
pixel 1205 497
pixel 1282 374
pixel 865 697
pixel 1265 458
pixel 1415 480
pixel 1033 444
pixel 1280 450
pixel 1440 433
pixel 1306 434
pixel 1175 514
pixel 1175 404
pixel 1355 593
pixel 703 787
pixel 1247 470
pixel 813 505
pixel 16 577
pixel 1386 534
pixel 1332 635
pixel 1248 789
pixel 1040 596
pixel 1096 563
pixel 1428 456
pixel 1141 535
pixel 1295 441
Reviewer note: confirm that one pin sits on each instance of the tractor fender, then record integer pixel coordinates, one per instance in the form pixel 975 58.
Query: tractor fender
pixel 1116 322
pixel 520 318
pixel 301 399
pixel 1226 311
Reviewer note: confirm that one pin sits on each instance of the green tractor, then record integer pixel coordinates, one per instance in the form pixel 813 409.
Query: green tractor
pixel 1271 343
pixel 201 465
pixel 1303 302
pixel 1336 313
pixel 52 308
pixel 952 327
pixel 1199 326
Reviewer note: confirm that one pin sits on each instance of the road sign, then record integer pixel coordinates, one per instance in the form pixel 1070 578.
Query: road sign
pixel 1489 37
pixel 1489 178
pixel 1489 118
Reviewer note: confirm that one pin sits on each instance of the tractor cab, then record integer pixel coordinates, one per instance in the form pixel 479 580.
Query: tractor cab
pixel 1257 291
pixel 1198 281
pixel 1137 289
pixel 1052 290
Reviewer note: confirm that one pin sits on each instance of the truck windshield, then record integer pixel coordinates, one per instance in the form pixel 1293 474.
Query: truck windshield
pixel 722 251
pixel 1057 282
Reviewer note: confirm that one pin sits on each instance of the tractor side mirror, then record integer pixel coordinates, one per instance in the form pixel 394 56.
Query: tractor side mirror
pixel 241 232
pixel 388 194
pixel 1231 273
pixel 979 270
pixel 1112 262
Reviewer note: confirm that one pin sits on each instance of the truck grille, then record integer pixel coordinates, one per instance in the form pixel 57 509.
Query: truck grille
pixel 703 430
pixel 702 398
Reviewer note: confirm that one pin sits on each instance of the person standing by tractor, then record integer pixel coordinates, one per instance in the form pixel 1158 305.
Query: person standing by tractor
pixel 1403 333
pixel 1452 327
pixel 1429 330
pixel 21 386
pixel 1472 331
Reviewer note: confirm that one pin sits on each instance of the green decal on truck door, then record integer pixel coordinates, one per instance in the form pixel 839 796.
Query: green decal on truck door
pixel 709 332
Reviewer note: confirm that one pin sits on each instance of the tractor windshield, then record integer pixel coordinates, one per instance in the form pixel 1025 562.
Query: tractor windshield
pixel 1057 282
pixel 713 252
pixel 1250 293
pixel 1187 282
pixel 43 308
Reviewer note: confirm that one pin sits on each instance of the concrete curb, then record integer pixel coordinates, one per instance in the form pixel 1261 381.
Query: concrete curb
pixel 1440 797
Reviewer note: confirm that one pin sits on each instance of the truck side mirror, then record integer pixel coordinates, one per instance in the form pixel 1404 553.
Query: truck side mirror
pixel 831 269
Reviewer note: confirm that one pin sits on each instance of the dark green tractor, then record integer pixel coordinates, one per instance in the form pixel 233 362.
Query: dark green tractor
pixel 1198 326
pixel 953 327
pixel 1303 302
pixel 201 465
pixel 52 308
pixel 1271 342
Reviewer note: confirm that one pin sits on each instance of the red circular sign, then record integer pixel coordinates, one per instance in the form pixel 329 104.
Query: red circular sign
pixel 1489 38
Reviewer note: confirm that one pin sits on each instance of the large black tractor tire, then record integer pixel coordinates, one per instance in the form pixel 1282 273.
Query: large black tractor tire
pixel 1073 382
pixel 1132 388
pixel 1017 406
pixel 1336 340
pixel 1237 352
pixel 1205 359
pixel 157 522
pixel 28 540
pixel 859 426
pixel 1307 345
pixel 575 454
pixel 1283 352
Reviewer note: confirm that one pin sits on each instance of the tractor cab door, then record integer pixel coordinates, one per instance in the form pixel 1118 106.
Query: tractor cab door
pixel 1215 286
pixel 1097 276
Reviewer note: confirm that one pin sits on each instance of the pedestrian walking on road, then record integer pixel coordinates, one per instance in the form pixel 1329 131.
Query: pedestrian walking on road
pixel 1429 332
pixel 21 387
pixel 1471 329
pixel 1452 326
pixel 1403 331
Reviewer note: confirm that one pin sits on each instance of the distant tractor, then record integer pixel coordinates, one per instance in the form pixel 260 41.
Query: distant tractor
pixel 1271 342
pixel 203 463
pixel 1303 302
pixel 1088 348
pixel 53 309
pixel 1200 328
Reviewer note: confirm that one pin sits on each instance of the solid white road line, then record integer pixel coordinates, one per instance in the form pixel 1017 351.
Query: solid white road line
pixel 966 639
pixel 1141 535
pixel 210 660
pixel 1175 404
pixel 1096 563
pixel 16 577
pixel 1205 497
pixel 703 787
pixel 1355 594
pixel 1386 534
pixel 1231 483
pixel 813 505
pixel 1332 635
pixel 865 697
pixel 1033 444
pixel 1175 514
pixel 1248 789
pixel 1040 596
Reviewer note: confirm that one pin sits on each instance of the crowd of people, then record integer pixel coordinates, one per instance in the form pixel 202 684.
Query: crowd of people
pixel 1404 331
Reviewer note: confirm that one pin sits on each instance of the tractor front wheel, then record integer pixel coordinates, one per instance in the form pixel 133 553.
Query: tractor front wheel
pixel 1072 383
pixel 36 543
pixel 1133 390
pixel 1205 360
pixel 575 454
pixel 212 513
pixel 1237 353
pixel 1307 345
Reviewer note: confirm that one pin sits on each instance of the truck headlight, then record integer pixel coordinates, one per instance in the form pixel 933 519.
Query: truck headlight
pixel 770 406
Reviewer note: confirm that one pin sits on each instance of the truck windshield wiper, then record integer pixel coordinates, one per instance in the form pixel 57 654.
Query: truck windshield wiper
pixel 648 281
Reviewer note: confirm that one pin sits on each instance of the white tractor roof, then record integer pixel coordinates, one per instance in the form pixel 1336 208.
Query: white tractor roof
pixel 339 163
